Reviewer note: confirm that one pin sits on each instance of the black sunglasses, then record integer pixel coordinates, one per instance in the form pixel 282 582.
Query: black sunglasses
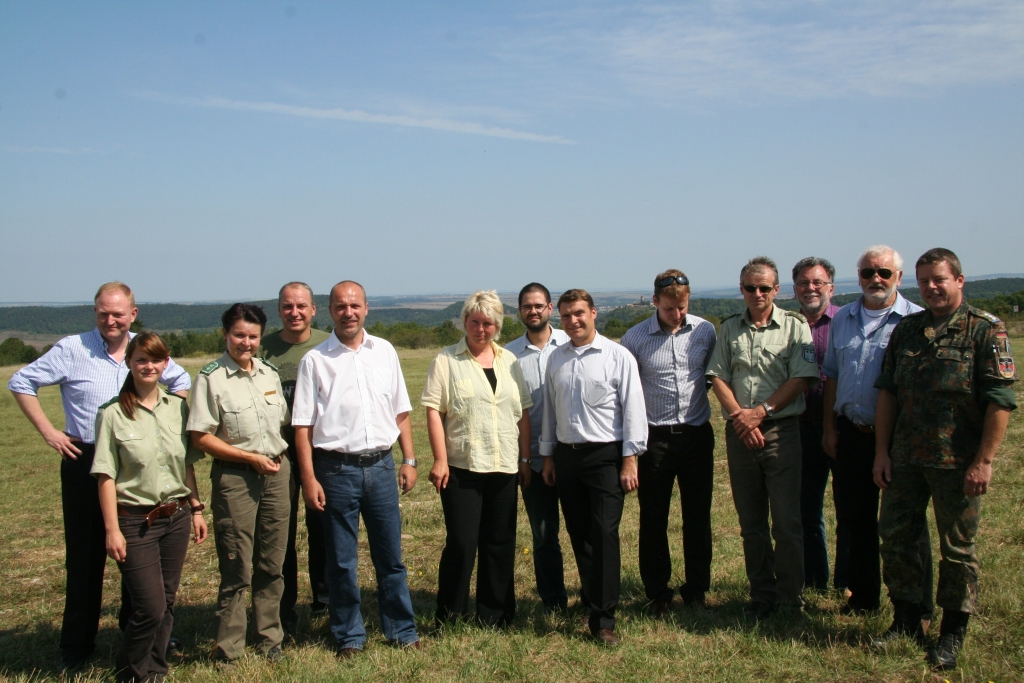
pixel 673 279
pixel 764 289
pixel 868 273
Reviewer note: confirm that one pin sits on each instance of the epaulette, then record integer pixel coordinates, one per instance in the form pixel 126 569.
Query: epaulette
pixel 796 314
pixel 109 403
pixel 168 392
pixel 983 314
pixel 210 367
pixel 269 364
pixel 729 316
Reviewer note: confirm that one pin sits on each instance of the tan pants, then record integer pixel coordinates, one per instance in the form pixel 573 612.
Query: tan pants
pixel 250 522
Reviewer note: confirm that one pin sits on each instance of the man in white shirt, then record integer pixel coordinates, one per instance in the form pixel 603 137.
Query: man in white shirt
pixel 350 405
pixel 533 350
pixel 594 427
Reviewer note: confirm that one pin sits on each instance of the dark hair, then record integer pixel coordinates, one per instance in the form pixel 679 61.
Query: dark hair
pixel 246 312
pixel 674 290
pixel 760 263
pixel 811 262
pixel 938 255
pixel 152 346
pixel 573 295
pixel 534 287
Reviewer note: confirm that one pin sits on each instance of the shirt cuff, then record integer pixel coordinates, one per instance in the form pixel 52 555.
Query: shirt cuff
pixel 547 448
pixel 298 421
pixel 999 394
pixel 634 448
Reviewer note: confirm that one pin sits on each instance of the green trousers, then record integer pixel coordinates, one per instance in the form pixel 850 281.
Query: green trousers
pixel 250 522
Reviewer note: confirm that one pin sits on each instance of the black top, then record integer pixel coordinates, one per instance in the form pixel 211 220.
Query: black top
pixel 492 378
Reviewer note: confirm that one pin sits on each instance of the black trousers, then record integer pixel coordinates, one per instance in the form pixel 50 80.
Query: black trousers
pixel 85 543
pixel 150 574
pixel 479 515
pixel 689 458
pixel 317 556
pixel 856 499
pixel 588 485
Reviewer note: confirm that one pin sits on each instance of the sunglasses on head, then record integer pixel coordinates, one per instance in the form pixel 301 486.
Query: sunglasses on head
pixel 764 289
pixel 868 273
pixel 673 280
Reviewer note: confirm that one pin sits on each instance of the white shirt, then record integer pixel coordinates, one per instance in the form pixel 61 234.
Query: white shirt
pixel 593 396
pixel 534 364
pixel 351 398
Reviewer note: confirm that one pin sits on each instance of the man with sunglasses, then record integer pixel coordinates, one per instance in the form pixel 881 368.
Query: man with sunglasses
pixel 762 364
pixel 946 395
pixel 858 337
pixel 672 350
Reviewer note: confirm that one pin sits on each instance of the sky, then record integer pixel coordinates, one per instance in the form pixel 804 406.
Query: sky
pixel 213 151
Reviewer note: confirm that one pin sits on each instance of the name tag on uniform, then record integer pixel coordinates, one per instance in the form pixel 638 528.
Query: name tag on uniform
pixel 270 393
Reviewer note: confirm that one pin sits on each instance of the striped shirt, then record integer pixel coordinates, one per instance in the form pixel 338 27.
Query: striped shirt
pixel 88 378
pixel 534 364
pixel 672 369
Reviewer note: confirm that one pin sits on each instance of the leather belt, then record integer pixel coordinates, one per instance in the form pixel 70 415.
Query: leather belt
pixel 674 429
pixel 354 459
pixel 244 466
pixel 152 512
pixel 865 429
pixel 586 445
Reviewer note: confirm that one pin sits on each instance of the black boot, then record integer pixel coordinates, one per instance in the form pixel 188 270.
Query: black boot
pixel 951 638
pixel 906 621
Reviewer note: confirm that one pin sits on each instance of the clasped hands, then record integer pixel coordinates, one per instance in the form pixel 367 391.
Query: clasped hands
pixel 747 424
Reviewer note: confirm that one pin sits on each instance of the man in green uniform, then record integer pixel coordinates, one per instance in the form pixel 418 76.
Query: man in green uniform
pixel 762 363
pixel 285 348
pixel 944 404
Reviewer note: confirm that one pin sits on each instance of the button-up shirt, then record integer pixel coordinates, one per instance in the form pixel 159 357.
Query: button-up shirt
pixel 351 398
pixel 88 377
pixel 243 409
pixel 815 394
pixel 594 396
pixel 756 361
pixel 146 456
pixel 672 369
pixel 854 360
pixel 481 425
pixel 534 364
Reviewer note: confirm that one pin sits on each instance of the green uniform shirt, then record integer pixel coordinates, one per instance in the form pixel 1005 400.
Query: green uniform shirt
pixel 146 457
pixel 285 358
pixel 243 409
pixel 943 383
pixel 756 361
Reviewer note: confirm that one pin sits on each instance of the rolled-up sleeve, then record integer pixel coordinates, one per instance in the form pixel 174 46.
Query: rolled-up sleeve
pixel 721 363
pixel 204 411
pixel 304 401
pixel 524 391
pixel 107 460
pixel 634 410
pixel 401 401
pixel 49 369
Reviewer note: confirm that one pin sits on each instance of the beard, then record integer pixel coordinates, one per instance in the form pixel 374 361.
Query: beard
pixel 816 307
pixel 537 326
pixel 879 296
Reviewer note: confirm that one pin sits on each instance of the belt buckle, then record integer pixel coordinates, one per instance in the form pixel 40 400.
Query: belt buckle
pixel 675 429
pixel 366 459
pixel 577 446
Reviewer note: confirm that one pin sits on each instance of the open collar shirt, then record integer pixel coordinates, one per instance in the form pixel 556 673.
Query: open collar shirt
pixel 534 364
pixel 594 396
pixel 88 377
pixel 351 398
pixel 854 359
pixel 815 394
pixel 672 369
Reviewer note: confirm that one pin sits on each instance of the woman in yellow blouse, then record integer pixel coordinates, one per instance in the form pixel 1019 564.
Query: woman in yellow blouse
pixel 148 493
pixel 479 430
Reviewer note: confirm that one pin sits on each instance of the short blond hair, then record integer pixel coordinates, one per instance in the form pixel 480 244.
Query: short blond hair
pixel 115 286
pixel 485 301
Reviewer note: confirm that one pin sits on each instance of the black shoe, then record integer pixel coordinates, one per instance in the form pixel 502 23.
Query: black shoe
pixel 951 639
pixel 695 601
pixel 759 611
pixel 906 621
pixel 661 608
pixel 274 654
pixel 174 646
pixel 70 661
pixel 317 609
pixel 556 606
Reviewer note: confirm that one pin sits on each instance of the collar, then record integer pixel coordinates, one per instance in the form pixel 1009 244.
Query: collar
pixel 598 343
pixel 957 321
pixel 100 342
pixel 778 316
pixel 901 306
pixel 462 347
pixel 234 368
pixel 556 338
pixel 333 343
pixel 654 325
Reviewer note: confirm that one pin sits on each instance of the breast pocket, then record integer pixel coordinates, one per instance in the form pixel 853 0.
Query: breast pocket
pixel 240 420
pixel 776 361
pixel 740 356
pixel 131 442
pixel 954 369
pixel 275 408
pixel 597 391
pixel 383 378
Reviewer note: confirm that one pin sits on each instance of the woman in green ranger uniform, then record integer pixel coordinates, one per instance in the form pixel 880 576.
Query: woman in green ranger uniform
pixel 148 493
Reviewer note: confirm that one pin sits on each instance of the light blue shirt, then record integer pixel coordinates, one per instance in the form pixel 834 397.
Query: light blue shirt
pixel 855 360
pixel 534 364
pixel 88 378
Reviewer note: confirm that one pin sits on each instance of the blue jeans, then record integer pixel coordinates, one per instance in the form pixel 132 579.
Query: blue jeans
pixel 541 503
pixel 373 490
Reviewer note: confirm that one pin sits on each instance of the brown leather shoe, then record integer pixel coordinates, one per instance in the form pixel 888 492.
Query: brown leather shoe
pixel 606 636
pixel 414 645
pixel 347 652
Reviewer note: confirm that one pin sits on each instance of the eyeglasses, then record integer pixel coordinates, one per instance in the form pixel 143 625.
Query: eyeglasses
pixel 673 279
pixel 816 283
pixel 868 273
pixel 764 289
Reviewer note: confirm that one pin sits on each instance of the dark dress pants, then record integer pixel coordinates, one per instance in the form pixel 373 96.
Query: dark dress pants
pixel 815 471
pixel 150 573
pixel 688 457
pixel 85 544
pixel 317 556
pixel 479 518
pixel 541 502
pixel 587 479
pixel 856 499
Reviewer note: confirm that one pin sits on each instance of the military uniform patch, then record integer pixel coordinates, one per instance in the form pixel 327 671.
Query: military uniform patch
pixel 1006 367
pixel 209 367
pixel 808 353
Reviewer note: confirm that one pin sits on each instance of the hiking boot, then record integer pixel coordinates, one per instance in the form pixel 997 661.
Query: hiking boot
pixel 906 621
pixel 951 639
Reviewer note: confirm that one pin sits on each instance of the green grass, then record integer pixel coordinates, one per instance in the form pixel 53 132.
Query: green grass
pixel 719 645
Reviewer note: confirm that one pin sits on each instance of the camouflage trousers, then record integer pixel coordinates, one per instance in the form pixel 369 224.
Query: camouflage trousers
pixel 904 506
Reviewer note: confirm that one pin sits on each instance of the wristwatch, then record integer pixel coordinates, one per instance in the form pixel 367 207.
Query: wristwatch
pixel 768 410
pixel 411 462
pixel 526 461
pixel 198 508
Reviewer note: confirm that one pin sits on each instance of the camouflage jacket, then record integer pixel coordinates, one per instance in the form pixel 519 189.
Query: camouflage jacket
pixel 943 385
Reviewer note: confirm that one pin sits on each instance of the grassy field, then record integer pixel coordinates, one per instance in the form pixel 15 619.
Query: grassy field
pixel 718 645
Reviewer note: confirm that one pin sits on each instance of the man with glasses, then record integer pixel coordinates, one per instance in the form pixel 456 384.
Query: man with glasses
pixel 672 350
pixel 541 500
pixel 813 289
pixel 762 364
pixel 858 337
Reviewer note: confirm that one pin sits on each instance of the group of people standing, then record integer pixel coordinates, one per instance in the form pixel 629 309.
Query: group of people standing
pixel 881 393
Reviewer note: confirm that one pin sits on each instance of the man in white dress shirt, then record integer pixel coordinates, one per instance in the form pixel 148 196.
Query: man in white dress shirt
pixel 350 405
pixel 594 427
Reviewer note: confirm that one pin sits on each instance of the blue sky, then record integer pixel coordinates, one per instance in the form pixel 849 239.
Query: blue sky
pixel 206 151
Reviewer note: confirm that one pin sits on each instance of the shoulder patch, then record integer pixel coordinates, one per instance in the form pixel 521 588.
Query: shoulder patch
pixel 808 353
pixel 109 403
pixel 269 364
pixel 209 367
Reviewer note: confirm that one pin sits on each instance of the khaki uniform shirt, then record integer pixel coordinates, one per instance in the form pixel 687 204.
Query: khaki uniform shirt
pixel 243 409
pixel 286 358
pixel 481 426
pixel 146 457
pixel 756 361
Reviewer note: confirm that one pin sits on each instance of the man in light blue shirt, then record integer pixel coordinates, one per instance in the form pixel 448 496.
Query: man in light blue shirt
pixel 533 350
pixel 858 337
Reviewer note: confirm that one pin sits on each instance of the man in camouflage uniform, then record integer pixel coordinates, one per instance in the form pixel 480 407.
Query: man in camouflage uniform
pixel 944 404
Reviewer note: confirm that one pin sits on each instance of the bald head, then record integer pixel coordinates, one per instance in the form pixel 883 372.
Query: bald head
pixel 347 286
